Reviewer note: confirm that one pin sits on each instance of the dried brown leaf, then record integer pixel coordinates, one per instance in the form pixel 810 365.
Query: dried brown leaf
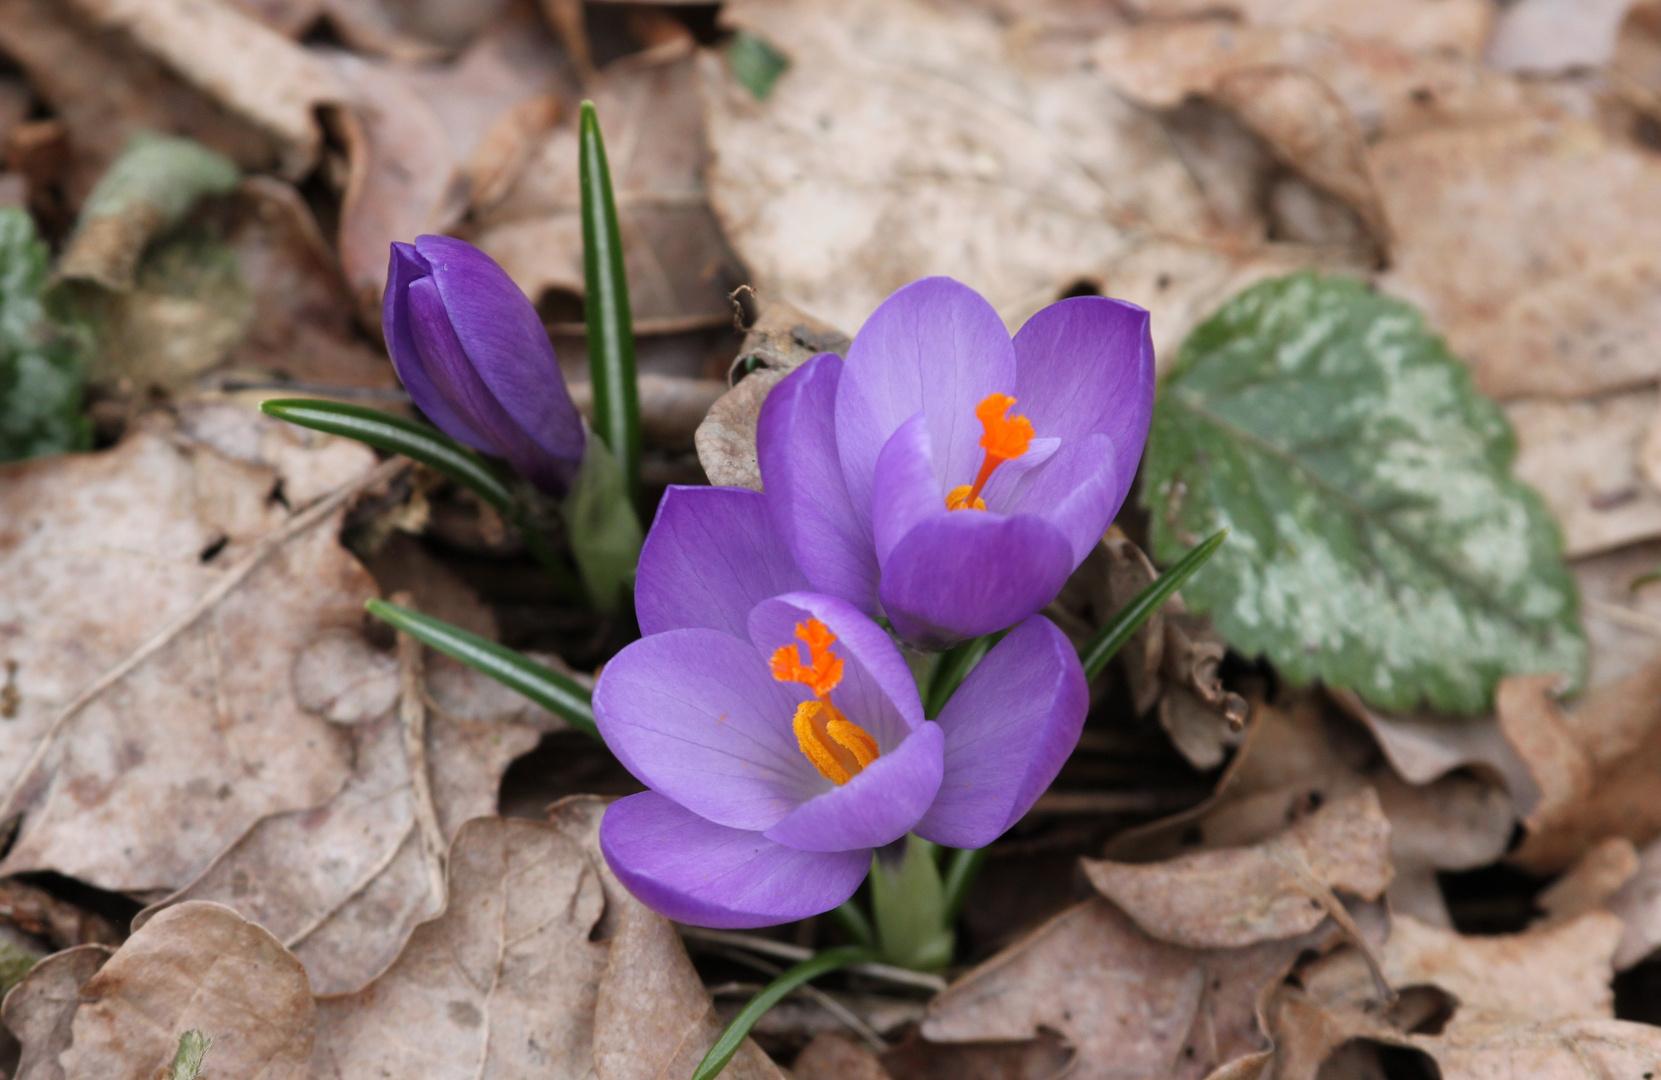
pixel 832 1056
pixel 1637 903
pixel 1229 898
pixel 501 984
pixel 679 266
pixel 103 550
pixel 1452 26
pixel 1166 1011
pixel 871 163
pixel 41 1008
pixel 1549 36
pixel 1589 883
pixel 347 917
pixel 203 966
pixel 1596 766
pixel 1587 458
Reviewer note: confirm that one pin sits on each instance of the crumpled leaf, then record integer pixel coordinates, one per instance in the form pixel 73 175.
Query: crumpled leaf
pixel 348 916
pixel 1452 26
pixel 1597 766
pixel 1637 903
pixel 1171 661
pixel 501 983
pixel 1301 756
pixel 422 142
pixel 1360 475
pixel 203 966
pixel 40 1010
pixel 1234 897
pixel 781 340
pixel 40 362
pixel 1590 882
pixel 205 733
pixel 652 1016
pixel 679 266
pixel 1549 36
pixel 1167 1011
pixel 872 163
pixel 148 190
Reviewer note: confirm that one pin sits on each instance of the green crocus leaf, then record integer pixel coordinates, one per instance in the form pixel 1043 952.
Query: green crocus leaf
pixel 40 361
pixel 601 526
pixel 1378 540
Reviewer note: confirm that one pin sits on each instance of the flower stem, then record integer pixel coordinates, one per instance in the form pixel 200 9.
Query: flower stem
pixel 606 304
pixel 732 1038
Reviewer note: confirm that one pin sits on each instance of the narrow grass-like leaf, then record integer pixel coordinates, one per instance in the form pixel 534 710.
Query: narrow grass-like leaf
pixel 558 694
pixel 602 528
pixel 1117 630
pixel 42 360
pixel 908 905
pixel 853 919
pixel 397 435
pixel 732 1038
pixel 606 305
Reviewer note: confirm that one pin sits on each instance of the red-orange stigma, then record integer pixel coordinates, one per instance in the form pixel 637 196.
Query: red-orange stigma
pixel 1006 438
pixel 837 747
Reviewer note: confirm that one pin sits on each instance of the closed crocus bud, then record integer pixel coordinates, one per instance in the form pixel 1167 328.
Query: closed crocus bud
pixel 470 349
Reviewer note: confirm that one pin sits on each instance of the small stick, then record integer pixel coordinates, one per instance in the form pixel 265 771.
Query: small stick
pixel 412 717
pixel 300 523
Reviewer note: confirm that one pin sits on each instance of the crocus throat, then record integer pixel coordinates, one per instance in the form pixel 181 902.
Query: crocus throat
pixel 1006 438
pixel 838 747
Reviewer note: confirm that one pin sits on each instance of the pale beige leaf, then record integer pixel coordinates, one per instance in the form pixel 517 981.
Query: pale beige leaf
pixel 102 551
pixel 1586 458
pixel 1637 903
pixel 1228 898
pixel 500 985
pixel 1161 1011
pixel 40 1009
pixel 198 965
pixel 907 139
pixel 1549 36
pixel 1454 26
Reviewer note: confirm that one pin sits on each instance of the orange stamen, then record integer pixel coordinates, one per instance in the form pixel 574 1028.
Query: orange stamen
pixel 1006 438
pixel 837 747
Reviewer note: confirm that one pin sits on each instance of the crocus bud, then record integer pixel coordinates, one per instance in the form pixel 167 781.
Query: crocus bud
pixel 470 349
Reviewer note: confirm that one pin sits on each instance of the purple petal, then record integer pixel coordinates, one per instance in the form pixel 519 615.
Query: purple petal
pixel 710 557
pixel 934 346
pixel 1078 491
pixel 406 267
pixel 458 382
pixel 1009 729
pixel 695 871
pixel 1085 366
pixel 806 493
pixel 906 491
pixel 969 573
pixel 877 807
pixel 696 716
pixel 877 691
pixel 503 336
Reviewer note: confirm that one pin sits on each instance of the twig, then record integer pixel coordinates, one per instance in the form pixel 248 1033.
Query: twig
pixel 840 1011
pixel 300 523
pixel 412 717
pixel 1110 802
pixel 796 954
pixel 1625 616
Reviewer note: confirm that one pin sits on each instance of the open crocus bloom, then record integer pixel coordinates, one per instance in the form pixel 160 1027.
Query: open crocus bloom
pixel 948 477
pixel 781 732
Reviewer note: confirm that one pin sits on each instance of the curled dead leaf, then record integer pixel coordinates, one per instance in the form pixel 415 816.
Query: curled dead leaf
pixel 40 1010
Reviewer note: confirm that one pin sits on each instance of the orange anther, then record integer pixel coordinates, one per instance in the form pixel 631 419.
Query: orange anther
pixel 1005 438
pixel 838 747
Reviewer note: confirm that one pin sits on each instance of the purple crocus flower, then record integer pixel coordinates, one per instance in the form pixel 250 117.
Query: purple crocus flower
pixel 781 733
pixel 904 481
pixel 470 349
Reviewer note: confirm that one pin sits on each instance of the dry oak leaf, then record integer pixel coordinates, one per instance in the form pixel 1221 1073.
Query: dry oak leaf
pixel 1449 26
pixel 1591 883
pixel 679 267
pixel 1550 36
pixel 1228 898
pixel 239 63
pixel 347 916
pixel 1535 246
pixel 1131 1006
pixel 40 1009
pixel 501 985
pixel 142 784
pixel 203 966
pixel 1596 767
pixel 1637 903
pixel 874 162
pixel 1623 624
pixel 652 1017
